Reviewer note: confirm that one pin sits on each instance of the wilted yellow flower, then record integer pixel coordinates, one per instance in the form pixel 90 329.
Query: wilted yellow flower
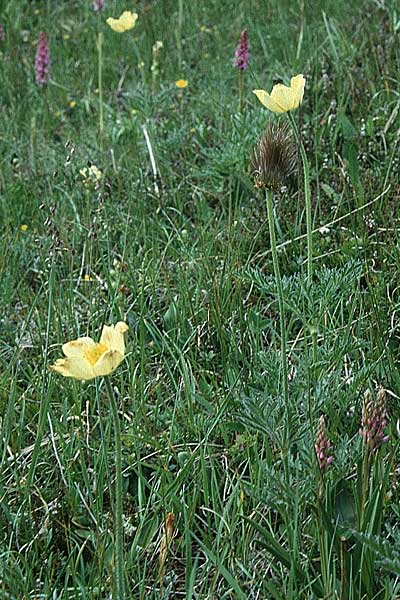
pixel 125 22
pixel 181 83
pixel 87 359
pixel 23 227
pixel 283 98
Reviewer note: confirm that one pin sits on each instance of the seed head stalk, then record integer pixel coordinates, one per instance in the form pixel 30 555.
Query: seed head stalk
pixel 307 198
pixel 119 581
pixel 271 226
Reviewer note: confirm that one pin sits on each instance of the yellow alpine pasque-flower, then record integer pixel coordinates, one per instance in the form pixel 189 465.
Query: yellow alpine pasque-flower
pixel 283 98
pixel 86 359
pixel 125 22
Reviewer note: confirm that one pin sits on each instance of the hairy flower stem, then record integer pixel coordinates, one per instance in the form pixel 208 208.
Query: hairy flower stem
pixel 271 225
pixel 119 581
pixel 307 198
pixel 100 80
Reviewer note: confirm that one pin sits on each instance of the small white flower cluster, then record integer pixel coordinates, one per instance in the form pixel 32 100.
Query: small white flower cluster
pixel 91 175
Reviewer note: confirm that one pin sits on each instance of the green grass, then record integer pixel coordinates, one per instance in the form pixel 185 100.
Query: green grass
pixel 185 260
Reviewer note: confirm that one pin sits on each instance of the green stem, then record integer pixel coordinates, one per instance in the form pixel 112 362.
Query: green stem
pixel 179 32
pixel 240 90
pixel 278 279
pixel 119 584
pixel 45 396
pixel 100 83
pixel 364 484
pixel 307 198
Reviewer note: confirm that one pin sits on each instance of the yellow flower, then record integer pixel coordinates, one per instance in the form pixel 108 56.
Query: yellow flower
pixel 87 277
pixel 283 98
pixel 24 227
pixel 87 359
pixel 125 22
pixel 181 83
pixel 72 104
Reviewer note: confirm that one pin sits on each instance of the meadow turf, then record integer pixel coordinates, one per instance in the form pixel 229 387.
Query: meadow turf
pixel 174 241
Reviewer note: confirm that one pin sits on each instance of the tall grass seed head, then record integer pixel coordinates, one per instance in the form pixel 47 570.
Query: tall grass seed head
pixel 274 159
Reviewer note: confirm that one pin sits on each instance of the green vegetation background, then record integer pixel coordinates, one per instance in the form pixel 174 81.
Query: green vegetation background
pixel 184 259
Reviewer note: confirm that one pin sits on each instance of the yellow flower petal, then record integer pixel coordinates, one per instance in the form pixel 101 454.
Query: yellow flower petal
pixel 107 363
pixel 78 347
pixel 267 101
pixel 125 22
pixel 76 367
pixel 283 98
pixel 113 336
pixel 23 227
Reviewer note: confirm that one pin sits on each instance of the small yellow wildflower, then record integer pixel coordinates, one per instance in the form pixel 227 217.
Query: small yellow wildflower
pixel 72 104
pixel 125 22
pixel 87 277
pixel 181 83
pixel 86 359
pixel 24 227
pixel 283 98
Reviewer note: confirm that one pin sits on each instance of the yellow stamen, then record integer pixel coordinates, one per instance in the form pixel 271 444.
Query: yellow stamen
pixel 93 354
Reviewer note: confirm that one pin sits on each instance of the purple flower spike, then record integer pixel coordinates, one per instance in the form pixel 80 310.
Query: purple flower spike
pixel 323 446
pixel 2 34
pixel 98 5
pixel 374 420
pixel 42 61
pixel 241 59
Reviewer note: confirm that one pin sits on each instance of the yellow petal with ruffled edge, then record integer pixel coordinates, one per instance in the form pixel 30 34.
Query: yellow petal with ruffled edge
pixel 78 347
pixel 268 101
pixel 107 363
pixel 125 22
pixel 76 366
pixel 112 336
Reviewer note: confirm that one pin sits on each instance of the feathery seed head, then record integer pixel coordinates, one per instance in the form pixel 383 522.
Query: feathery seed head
pixel 274 159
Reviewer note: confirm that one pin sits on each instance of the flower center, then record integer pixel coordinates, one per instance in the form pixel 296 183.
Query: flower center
pixel 94 353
